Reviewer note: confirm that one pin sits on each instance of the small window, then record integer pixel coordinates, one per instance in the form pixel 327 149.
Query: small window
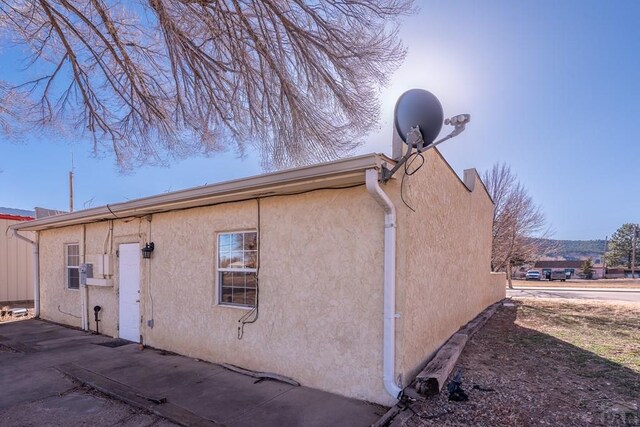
pixel 237 267
pixel 72 260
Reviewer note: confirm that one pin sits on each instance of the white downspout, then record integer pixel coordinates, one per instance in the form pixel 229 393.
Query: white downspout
pixel 36 270
pixel 84 291
pixel 84 320
pixel 389 304
pixel 36 276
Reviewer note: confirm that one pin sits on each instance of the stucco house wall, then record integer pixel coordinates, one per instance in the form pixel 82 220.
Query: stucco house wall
pixel 63 305
pixel 57 303
pixel 320 287
pixel 16 265
pixel 320 278
pixel 444 256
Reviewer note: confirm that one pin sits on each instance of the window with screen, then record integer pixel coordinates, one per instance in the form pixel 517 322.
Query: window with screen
pixel 72 259
pixel 237 268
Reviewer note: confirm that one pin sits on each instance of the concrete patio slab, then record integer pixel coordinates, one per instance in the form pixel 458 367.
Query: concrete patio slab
pixel 140 368
pixel 152 378
pixel 320 409
pixel 78 408
pixel 229 395
pixel 23 385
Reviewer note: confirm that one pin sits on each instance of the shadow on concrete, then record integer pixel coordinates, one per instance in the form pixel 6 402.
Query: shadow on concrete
pixel 39 360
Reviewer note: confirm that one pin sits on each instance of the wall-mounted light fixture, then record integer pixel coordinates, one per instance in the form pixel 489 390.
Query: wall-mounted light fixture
pixel 146 251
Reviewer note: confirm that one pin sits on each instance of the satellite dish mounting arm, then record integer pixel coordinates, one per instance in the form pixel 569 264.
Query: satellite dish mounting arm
pixel 415 140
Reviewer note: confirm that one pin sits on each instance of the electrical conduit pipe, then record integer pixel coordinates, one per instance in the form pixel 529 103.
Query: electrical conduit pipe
pixel 36 271
pixel 389 295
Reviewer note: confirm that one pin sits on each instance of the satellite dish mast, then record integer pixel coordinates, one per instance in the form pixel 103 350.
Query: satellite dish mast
pixel 418 119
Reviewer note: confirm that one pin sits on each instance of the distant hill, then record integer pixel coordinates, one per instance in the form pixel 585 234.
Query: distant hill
pixel 573 250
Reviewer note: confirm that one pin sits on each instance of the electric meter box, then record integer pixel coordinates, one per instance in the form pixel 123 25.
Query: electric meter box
pixel 86 272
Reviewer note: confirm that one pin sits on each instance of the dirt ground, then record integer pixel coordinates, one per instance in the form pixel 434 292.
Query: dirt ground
pixel 546 363
pixel 578 283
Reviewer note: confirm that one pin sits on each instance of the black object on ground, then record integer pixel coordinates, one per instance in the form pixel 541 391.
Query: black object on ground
pixel 456 393
pixel 96 310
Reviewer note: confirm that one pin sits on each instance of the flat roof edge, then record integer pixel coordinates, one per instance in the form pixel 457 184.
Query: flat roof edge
pixel 190 196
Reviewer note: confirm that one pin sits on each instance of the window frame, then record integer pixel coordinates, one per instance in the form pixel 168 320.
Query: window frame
pixel 68 267
pixel 219 270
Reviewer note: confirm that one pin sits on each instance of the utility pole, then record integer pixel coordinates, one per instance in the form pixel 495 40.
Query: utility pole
pixel 71 185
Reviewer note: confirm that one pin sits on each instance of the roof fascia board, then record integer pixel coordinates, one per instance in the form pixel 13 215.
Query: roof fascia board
pixel 276 183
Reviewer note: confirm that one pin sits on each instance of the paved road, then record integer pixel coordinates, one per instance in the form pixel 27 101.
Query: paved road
pixel 578 294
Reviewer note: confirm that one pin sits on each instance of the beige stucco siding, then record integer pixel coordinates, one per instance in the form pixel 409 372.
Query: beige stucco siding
pixel 99 240
pixel 444 250
pixel 57 303
pixel 63 305
pixel 320 287
pixel 16 265
pixel 320 279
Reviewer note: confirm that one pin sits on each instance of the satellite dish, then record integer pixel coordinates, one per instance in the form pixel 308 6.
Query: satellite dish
pixel 418 107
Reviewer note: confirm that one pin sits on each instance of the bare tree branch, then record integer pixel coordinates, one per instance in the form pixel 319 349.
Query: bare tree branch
pixel 297 80
pixel 519 226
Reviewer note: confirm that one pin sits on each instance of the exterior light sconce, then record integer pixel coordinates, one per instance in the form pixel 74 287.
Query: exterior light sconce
pixel 146 251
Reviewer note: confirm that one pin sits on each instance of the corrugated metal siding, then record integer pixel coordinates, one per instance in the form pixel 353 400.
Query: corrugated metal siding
pixel 16 265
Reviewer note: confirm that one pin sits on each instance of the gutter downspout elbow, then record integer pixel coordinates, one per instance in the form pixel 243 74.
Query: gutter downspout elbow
pixel 36 270
pixel 389 295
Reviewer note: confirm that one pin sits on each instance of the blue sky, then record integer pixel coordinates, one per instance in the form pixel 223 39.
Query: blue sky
pixel 552 87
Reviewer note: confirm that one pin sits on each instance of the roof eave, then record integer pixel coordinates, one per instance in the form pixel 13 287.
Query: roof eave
pixel 337 174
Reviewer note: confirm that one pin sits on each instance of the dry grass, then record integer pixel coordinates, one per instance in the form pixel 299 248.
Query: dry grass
pixel 547 363
pixel 6 317
pixel 577 283
pixel 608 330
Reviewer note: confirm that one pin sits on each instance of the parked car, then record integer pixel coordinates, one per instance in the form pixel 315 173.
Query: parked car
pixel 533 275
pixel 557 275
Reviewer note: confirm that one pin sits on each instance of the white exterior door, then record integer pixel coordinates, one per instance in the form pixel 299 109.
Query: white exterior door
pixel 129 294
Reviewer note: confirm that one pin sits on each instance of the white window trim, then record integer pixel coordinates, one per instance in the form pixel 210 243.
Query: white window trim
pixel 218 270
pixel 66 266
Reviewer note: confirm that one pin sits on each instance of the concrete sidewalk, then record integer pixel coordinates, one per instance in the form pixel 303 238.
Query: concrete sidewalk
pixel 633 297
pixel 40 360
pixel 550 288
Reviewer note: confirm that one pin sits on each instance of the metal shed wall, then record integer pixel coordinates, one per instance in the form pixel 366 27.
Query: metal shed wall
pixel 16 265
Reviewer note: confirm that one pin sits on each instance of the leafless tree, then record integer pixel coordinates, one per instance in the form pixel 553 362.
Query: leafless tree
pixel 519 230
pixel 297 79
pixel 10 106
